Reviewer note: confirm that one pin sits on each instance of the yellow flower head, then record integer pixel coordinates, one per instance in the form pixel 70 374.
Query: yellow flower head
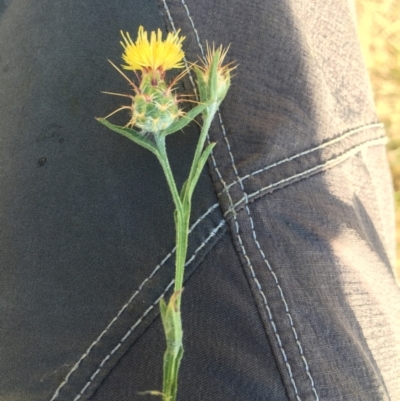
pixel 154 55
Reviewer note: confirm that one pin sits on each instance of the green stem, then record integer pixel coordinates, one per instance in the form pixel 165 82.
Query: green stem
pixel 171 313
pixel 163 159
pixel 208 116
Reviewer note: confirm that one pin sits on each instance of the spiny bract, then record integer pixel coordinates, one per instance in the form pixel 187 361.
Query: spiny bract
pixel 155 107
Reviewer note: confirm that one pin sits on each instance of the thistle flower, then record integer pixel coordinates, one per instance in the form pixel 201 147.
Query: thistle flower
pixel 154 55
pixel 154 107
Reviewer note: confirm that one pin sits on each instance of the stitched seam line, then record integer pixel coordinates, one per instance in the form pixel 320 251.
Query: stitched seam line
pixel 308 151
pixel 270 316
pixel 184 58
pixel 134 295
pixel 238 231
pixel 330 163
pixel 288 314
pixel 145 313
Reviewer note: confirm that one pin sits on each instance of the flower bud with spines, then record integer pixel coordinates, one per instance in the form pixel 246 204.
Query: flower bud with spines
pixel 214 78
pixel 155 107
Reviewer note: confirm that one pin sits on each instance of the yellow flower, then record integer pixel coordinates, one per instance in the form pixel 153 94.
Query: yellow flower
pixel 154 55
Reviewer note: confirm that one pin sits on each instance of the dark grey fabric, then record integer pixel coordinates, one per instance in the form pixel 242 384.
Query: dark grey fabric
pixel 85 215
pixel 290 293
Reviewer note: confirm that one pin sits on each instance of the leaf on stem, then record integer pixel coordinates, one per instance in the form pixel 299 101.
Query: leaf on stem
pixel 185 120
pixel 131 134
pixel 198 169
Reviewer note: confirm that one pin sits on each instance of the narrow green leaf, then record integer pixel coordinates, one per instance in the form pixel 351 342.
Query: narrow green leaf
pixel 199 167
pixel 174 381
pixel 183 189
pixel 185 120
pixel 163 309
pixel 131 134
pixel 172 323
pixel 171 319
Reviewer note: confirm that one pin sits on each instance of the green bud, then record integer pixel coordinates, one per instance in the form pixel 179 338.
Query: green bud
pixel 155 107
pixel 213 78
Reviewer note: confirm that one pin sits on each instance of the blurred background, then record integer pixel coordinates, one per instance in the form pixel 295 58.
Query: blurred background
pixel 379 31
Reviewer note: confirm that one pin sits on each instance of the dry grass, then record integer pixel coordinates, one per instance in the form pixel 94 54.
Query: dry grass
pixel 379 30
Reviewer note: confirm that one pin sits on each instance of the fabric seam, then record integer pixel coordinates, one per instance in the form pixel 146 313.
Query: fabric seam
pixel 305 152
pixel 306 173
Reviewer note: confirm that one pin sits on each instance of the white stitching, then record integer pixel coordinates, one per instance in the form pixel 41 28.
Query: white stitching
pixel 284 302
pixel 134 295
pixel 237 224
pixel 146 312
pixel 330 163
pixel 194 28
pixel 321 146
pixel 184 58
pixel 270 317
